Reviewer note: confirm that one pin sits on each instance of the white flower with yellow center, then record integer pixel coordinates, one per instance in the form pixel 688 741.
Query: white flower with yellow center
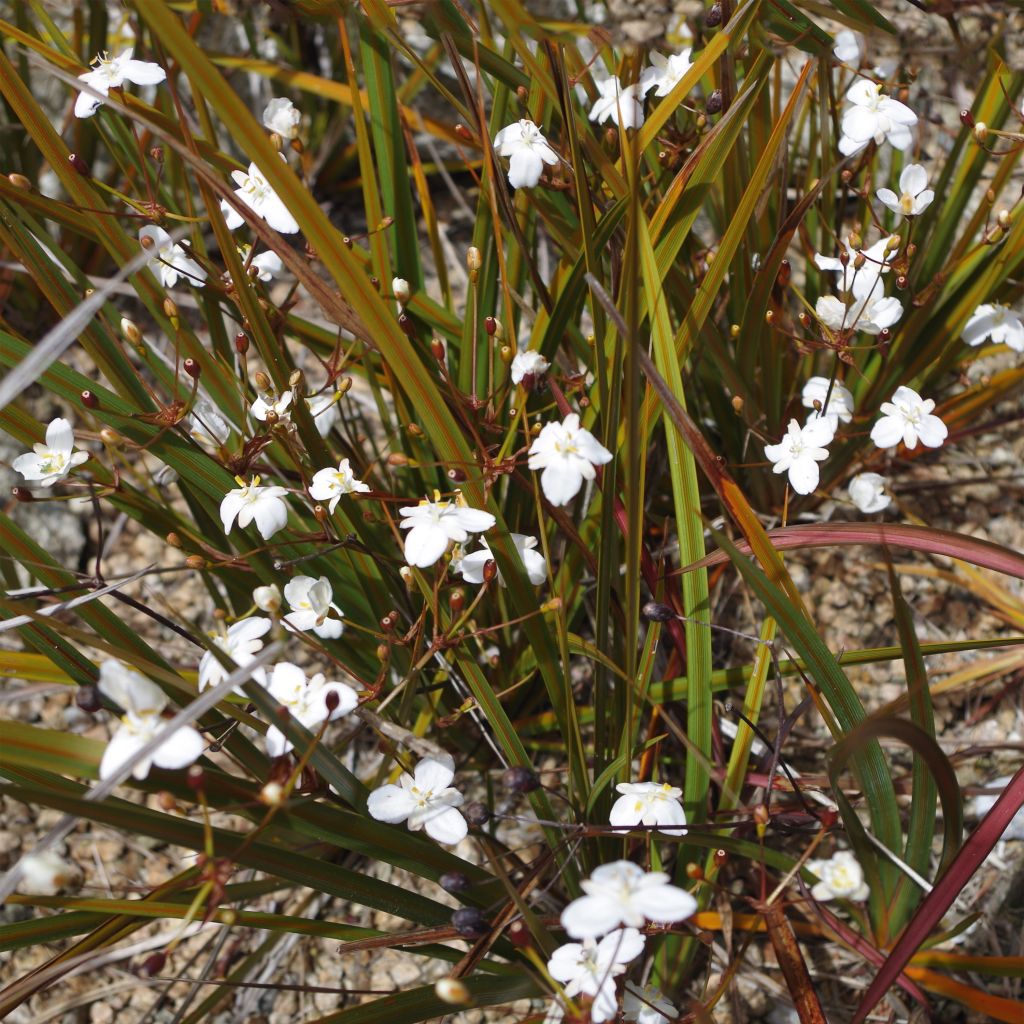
pixel 650 804
pixel 909 418
pixel 282 117
pixel 424 800
pixel 841 878
pixel 248 502
pixel 567 454
pixel 433 525
pixel 111 73
pixel 310 702
pixel 330 484
pixel 874 117
pixel 590 968
pixel 240 642
pixel 800 451
pixel 528 152
pixel 915 195
pixel 169 259
pixel 997 321
pixel 52 461
pixel 254 190
pixel 310 601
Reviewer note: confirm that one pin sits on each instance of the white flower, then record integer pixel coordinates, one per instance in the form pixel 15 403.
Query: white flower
pixel 331 484
pixel 841 878
pixel 867 492
pixel 472 565
pixel 310 601
pixel 111 73
pixel 908 418
pixel 983 803
pixel 240 643
pixel 169 259
pixel 250 501
pixel 590 968
pixel 872 316
pixel 268 264
pixel 324 410
pixel 530 361
pixel 268 598
pixel 143 701
pixel 306 700
pixel 529 152
pixel 256 193
pixel 282 117
pixel 621 893
pixel 861 281
pixel 840 402
pixel 568 454
pixel 433 524
pixel 623 105
pixel 649 804
pixel 800 451
pixel 52 460
pixel 915 196
pixel 998 322
pixel 646 1005
pixel 46 873
pixel 206 425
pixel 872 116
pixel 849 48
pixel 270 402
pixel 425 799
pixel 665 73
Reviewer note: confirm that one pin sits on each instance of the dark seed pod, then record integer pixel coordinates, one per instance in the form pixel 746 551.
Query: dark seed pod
pixel 519 935
pixel 454 882
pixel 714 103
pixel 79 164
pixel 192 368
pixel 22 494
pixel 241 343
pixel 714 18
pixel 519 780
pixel 470 923
pixel 655 611
pixel 87 698
pixel 89 400
pixel 195 778
pixel 476 813
pixel 408 327
pixel 153 964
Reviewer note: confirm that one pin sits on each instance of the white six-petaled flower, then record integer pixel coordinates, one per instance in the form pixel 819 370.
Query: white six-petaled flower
pixel 330 484
pixel 528 152
pixel 800 451
pixel 874 117
pixel 665 73
pixel 590 968
pixel 255 192
pixel 53 459
pixel 426 799
pixel 310 603
pixel 471 566
pixel 842 878
pixel 307 700
pixel 111 73
pixel 996 321
pixel 829 399
pixel 169 259
pixel 622 893
pixel 282 117
pixel 867 492
pixel 567 454
pixel 528 362
pixel 650 804
pixel 908 418
pixel 870 315
pixel 622 105
pixel 142 701
pixel 270 402
pixel 248 502
pixel 915 196
pixel 433 525
pixel 241 643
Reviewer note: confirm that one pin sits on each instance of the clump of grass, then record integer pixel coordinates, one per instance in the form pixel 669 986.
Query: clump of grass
pixel 466 510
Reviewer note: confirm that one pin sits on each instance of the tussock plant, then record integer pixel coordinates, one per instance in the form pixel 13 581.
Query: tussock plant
pixel 458 404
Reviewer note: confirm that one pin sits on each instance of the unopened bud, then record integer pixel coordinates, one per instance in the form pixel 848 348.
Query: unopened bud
pixel 195 778
pixel 110 437
pixel 407 326
pixel 173 540
pixel 966 118
pixel 457 600
pixel 464 133
pixel 166 802
pixel 241 343
pixel 474 261
pixel 400 289
pixel 490 325
pixel 408 576
pixel 452 991
pixel 519 935
pixel 272 794
pixel 737 404
pixel 195 562
pixel 490 570
pixel 79 164
pixel 1003 218
pixel 383 651
pixel 192 368
pixel 89 400
pixel 130 330
pixel 437 349
pixel 170 310
pixel 157 154
pixel 398 459
pixel 980 131
pixel 20 181
pixel 694 871
pixel 720 858
pixel 262 381
pixel 702 121
pixel 267 598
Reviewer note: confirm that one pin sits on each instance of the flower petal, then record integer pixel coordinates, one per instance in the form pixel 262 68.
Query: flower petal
pixel 390 804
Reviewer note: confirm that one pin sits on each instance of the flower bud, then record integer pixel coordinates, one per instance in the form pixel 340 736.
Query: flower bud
pixel 267 599
pixel 400 289
pixel 490 572
pixel 474 261
pixel 79 164
pixel 437 349
pixel 20 181
pixel 89 399
pixel 518 779
pixel 272 794
pixel 192 368
pixel 980 131
pixel 131 331
pixel 111 437
pixel 170 310
pixel 452 991
pixel 241 343
pixel 720 858
pixel 407 326
pixel 408 576
pixel 464 133
pixel 470 923
pixel 490 325
pixel 262 381
pixel 1003 218
pixel 195 778
pixel 737 406
pixel 694 871
pixel 966 118
pixel 195 562
pixel 457 600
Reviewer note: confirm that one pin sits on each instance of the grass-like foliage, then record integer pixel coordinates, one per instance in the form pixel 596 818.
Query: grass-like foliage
pixel 486 380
